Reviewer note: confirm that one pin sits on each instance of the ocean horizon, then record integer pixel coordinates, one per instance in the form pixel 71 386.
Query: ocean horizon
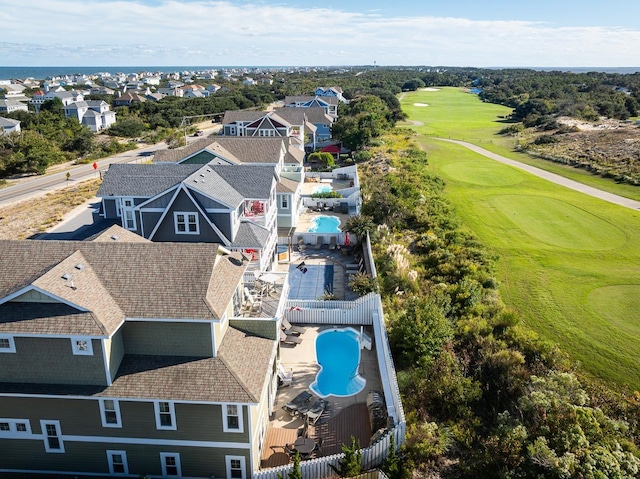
pixel 44 72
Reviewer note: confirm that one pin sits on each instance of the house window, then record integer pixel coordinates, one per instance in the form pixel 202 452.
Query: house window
pixel 7 344
pixel 266 133
pixel 110 413
pixel 284 202
pixel 14 427
pixel 82 346
pixel 129 220
pixel 170 462
pixel 186 223
pixel 165 415
pixel 117 462
pixel 52 440
pixel 232 418
pixel 235 467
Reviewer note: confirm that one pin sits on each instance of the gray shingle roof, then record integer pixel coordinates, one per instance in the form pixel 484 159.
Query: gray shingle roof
pixel 232 184
pixel 143 181
pixel 250 235
pixel 236 149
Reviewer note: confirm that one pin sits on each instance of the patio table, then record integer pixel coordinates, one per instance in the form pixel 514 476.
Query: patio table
pixel 304 445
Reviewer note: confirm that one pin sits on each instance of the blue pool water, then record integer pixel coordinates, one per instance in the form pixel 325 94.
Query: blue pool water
pixel 325 224
pixel 322 189
pixel 338 354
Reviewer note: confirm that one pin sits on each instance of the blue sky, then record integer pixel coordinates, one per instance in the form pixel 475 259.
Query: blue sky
pixel 535 33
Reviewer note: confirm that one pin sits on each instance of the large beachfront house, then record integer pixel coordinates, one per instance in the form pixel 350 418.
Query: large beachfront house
pixel 231 191
pixel 120 356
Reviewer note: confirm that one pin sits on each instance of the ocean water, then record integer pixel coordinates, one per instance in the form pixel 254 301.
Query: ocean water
pixel 42 73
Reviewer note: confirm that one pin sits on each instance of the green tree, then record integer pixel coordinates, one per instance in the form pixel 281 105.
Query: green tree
pixel 295 472
pixel 351 464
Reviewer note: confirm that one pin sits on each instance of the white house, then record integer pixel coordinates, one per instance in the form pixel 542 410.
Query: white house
pixel 7 125
pixel 95 114
pixel 12 105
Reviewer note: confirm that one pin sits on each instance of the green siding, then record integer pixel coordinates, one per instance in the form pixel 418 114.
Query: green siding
pixel 264 329
pixel 51 361
pixel 167 339
pixel 116 353
pixel 81 417
pixel 82 457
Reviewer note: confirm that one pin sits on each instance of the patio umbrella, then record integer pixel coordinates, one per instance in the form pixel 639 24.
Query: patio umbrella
pixel 347 239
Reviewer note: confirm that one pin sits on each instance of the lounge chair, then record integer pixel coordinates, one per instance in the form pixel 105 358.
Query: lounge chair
pixel 254 304
pixel 289 339
pixel 289 329
pixel 285 377
pixel 332 243
pixel 316 410
pixel 319 242
pixel 298 403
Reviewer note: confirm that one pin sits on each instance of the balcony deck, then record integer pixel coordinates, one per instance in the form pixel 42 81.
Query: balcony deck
pixel 343 418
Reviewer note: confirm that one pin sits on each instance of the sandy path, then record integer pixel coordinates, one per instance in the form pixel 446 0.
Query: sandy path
pixel 560 180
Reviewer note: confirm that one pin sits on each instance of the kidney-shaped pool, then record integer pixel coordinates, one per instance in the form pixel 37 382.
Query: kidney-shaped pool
pixel 338 354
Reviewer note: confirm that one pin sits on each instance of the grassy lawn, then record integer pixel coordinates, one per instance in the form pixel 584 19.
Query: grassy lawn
pixel 455 114
pixel 569 264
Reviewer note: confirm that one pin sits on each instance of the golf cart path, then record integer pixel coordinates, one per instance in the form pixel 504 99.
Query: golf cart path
pixel 560 180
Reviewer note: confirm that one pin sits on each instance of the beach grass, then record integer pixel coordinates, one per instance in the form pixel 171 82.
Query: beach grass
pixel 569 264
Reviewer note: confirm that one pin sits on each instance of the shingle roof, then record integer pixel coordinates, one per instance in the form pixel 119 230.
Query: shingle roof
pixel 118 233
pixel 232 184
pixel 117 279
pixel 235 149
pixel 229 377
pixel 250 235
pixel 285 185
pixel 143 181
pixel 233 116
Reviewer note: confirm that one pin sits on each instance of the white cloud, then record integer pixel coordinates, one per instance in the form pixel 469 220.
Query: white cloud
pixel 78 32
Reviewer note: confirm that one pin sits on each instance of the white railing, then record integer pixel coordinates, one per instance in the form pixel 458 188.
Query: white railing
pixel 353 313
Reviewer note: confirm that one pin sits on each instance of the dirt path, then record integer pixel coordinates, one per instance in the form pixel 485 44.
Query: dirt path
pixel 560 180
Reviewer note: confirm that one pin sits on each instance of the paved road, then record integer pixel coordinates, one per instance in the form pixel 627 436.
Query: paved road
pixel 39 185
pixel 560 180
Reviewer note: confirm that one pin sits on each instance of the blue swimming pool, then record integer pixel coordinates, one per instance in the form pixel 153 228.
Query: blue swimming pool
pixel 325 224
pixel 322 189
pixel 338 354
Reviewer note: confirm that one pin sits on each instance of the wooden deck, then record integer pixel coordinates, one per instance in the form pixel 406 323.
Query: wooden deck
pixel 334 431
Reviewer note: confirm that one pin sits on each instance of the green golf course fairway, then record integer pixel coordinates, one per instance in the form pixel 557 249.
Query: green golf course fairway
pixel 569 263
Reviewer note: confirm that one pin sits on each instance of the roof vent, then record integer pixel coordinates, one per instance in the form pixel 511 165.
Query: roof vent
pixel 195 180
pixel 202 174
pixel 66 276
pixel 79 266
pixel 115 237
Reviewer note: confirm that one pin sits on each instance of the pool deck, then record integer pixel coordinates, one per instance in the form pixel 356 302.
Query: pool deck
pixel 344 416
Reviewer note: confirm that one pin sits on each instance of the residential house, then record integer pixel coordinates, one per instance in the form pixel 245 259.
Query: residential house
pixel 233 205
pixel 315 115
pixel 128 99
pixel 334 91
pixel 282 153
pixel 7 125
pixel 249 81
pixel 247 123
pixel 213 88
pixel 14 91
pixel 66 97
pixel 329 103
pixel 12 105
pixel 122 357
pixel 95 114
